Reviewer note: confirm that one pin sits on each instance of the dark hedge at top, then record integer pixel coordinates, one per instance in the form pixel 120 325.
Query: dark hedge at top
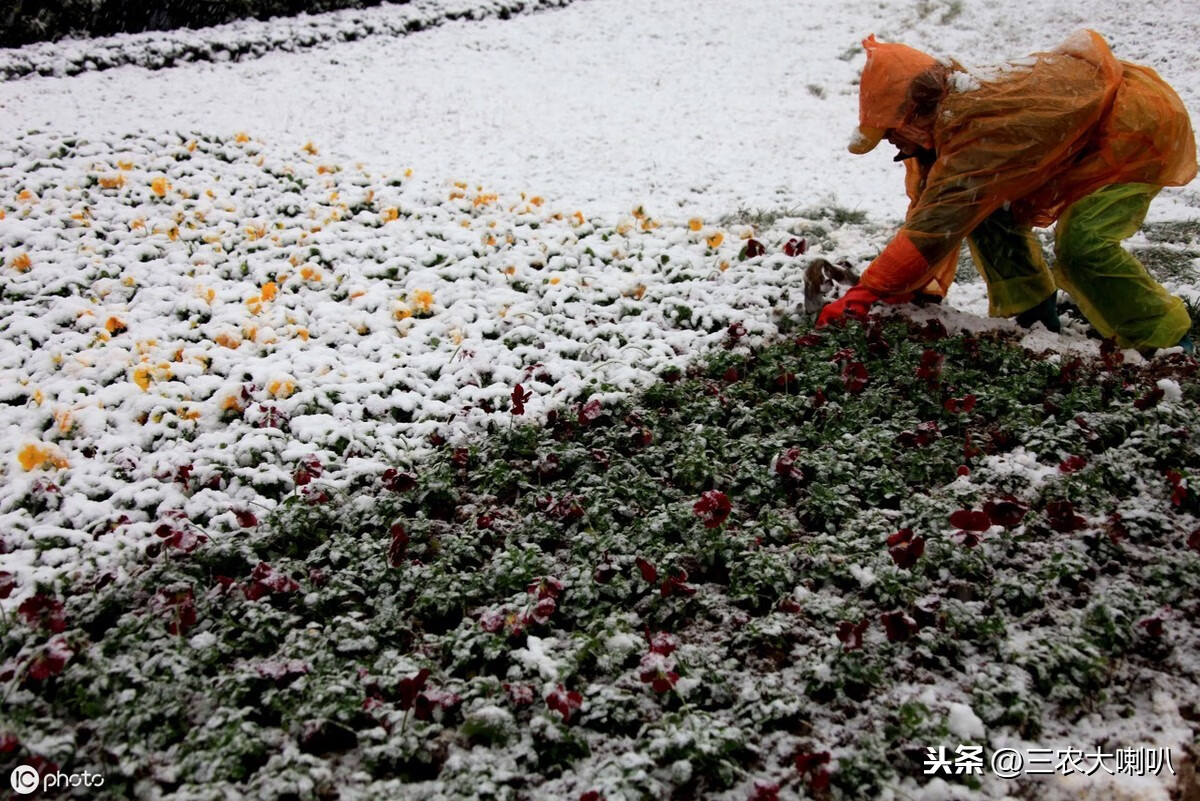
pixel 27 21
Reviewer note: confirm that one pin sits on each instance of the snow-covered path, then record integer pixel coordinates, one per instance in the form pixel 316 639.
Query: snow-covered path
pixel 687 106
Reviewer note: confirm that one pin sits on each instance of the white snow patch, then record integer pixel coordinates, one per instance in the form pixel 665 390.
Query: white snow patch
pixel 534 656
pixel 962 722
pixel 1172 392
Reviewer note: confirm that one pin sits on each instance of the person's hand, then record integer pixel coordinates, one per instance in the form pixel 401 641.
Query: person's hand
pixel 858 299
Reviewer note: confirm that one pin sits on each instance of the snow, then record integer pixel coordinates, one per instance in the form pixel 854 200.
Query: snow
pixel 694 108
pixel 1171 390
pixel 535 656
pixel 964 724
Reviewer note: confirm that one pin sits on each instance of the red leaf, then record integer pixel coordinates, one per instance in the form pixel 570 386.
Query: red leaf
pixel 959 405
pixel 564 702
pixel 399 546
pixel 1072 464
pixel 51 661
pixel 819 781
pixel 543 610
pixel 1005 511
pixel 590 412
pixel 877 343
pixel 843 355
pixel 1178 487
pixel 933 331
pixel 764 790
pixel 649 573
pixel 1110 354
pixel 712 508
pixel 663 682
pixel 42 611
pixel 855 377
pixel 519 397
pixel 928 432
pixel 310 468
pixel 661 643
pixel 851 634
pixel 787 465
pixel 809 762
pixel 905 554
pixel 1153 625
pixel 272 580
pixel 1151 398
pixel 970 520
pixel 395 481
pixel 179 609
pixel 547 587
pixel 931 365
pixel 676 585
pixel 409 688
pixel 899 626
pixel 809 340
pixel 968 538
pixel 969 450
pixel 491 621
pixel 519 694
pixel 605 572
pixel 183 539
pixel 1062 518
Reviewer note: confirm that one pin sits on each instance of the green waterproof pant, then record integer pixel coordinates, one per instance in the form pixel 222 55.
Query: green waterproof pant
pixel 1111 287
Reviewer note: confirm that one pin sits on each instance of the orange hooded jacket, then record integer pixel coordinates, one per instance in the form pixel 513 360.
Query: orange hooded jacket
pixel 1033 136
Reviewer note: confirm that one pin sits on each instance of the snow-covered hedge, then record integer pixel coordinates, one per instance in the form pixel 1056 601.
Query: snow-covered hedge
pixel 27 23
pixel 251 38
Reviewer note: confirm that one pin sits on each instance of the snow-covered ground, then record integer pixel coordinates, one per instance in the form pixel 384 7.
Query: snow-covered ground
pixel 688 106
pixel 377 239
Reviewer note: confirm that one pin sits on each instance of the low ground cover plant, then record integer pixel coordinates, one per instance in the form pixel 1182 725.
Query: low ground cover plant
pixel 792 567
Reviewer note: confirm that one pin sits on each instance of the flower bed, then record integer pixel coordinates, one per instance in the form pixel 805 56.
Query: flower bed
pixel 319 482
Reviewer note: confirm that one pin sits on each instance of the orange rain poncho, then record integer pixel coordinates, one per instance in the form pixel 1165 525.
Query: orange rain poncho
pixel 1031 138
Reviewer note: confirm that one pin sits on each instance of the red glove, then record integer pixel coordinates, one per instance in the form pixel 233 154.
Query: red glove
pixel 858 299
